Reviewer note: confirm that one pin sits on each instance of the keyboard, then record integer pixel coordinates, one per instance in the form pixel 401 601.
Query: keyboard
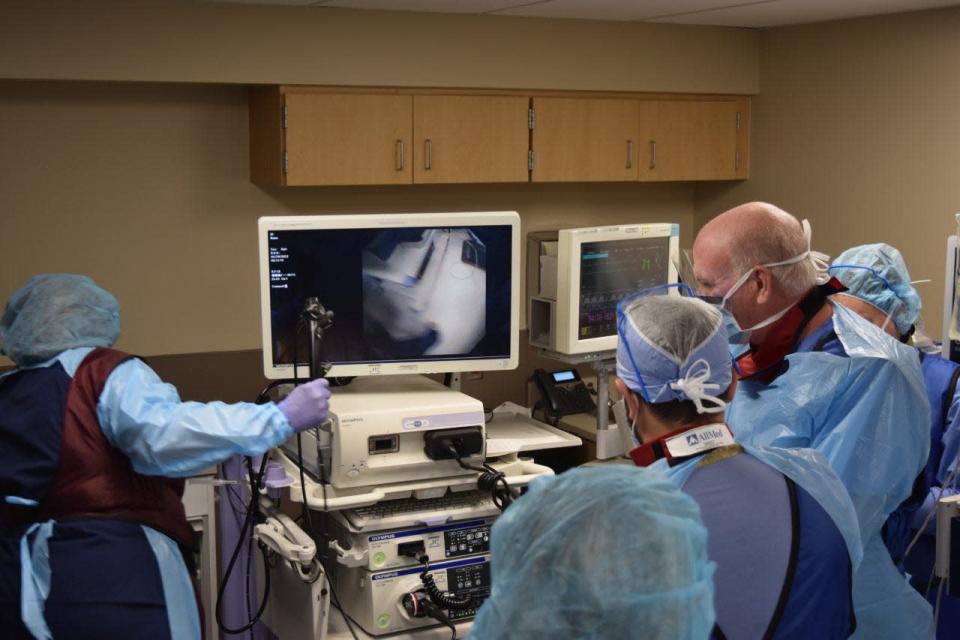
pixel 406 512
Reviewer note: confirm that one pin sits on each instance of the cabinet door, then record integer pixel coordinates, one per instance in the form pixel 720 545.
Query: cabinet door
pixel 470 139
pixel 691 140
pixel 585 140
pixel 338 139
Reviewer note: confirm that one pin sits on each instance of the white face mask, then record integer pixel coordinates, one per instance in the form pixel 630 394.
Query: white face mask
pixel 740 335
pixel 889 317
pixel 633 433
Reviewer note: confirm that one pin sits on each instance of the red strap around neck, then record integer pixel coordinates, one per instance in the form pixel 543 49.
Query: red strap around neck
pixel 784 334
pixel 683 444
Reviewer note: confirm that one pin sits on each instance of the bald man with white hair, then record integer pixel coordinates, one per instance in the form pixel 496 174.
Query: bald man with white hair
pixel 862 406
pixel 753 238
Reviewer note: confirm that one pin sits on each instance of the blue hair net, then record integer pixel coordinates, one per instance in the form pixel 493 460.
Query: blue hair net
pixel 600 552
pixel 877 274
pixel 673 348
pixel 55 312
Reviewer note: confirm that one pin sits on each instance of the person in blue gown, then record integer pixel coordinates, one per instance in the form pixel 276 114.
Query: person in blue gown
pixel 598 553
pixel 879 289
pixel 865 408
pixel 781 526
pixel 94 447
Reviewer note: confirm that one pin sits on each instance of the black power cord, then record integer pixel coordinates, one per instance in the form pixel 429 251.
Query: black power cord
pixel 437 601
pixel 438 597
pixel 336 602
pixel 253 516
pixel 324 479
pixel 264 396
pixel 417 604
pixel 490 480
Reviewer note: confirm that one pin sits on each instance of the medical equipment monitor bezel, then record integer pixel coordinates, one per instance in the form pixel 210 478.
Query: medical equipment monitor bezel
pixel 569 249
pixel 421 365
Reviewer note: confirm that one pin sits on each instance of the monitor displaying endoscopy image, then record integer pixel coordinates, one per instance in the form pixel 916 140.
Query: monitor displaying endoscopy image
pixel 410 293
pixel 413 281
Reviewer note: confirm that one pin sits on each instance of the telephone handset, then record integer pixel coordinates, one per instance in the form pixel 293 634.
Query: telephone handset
pixel 563 392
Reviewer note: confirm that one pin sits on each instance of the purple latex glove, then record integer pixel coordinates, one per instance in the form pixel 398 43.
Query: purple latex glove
pixel 307 405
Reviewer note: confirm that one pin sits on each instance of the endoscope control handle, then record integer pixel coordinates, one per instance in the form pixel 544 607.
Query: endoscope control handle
pixel 318 320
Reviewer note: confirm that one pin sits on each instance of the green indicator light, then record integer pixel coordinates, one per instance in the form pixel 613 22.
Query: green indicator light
pixel 379 558
pixel 383 621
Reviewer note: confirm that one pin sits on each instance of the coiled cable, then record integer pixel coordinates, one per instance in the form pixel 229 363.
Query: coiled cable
pixel 438 597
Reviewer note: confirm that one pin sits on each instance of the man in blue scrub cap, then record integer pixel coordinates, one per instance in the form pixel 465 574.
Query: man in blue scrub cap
pixel 864 408
pixel 783 531
pixel 93 449
pixel 599 553
pixel 879 289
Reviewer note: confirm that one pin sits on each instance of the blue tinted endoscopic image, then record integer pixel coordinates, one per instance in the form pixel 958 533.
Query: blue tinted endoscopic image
pixel 424 292
pixel 398 294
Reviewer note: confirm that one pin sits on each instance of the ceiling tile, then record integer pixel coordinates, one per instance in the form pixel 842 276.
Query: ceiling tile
pixel 437 6
pixel 289 3
pixel 732 13
pixel 612 9
pixel 785 12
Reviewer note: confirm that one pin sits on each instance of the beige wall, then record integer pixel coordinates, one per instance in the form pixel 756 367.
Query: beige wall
pixel 857 127
pixel 189 41
pixel 145 188
pixel 123 141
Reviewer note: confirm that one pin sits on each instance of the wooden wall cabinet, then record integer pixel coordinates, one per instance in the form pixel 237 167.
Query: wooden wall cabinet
pixel 460 139
pixel 314 138
pixel 584 140
pixel 324 136
pixel 701 139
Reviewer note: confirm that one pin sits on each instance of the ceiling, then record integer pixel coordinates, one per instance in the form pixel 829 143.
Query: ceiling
pixel 729 13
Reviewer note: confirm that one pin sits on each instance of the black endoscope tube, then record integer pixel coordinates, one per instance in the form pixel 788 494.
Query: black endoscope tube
pixel 312 311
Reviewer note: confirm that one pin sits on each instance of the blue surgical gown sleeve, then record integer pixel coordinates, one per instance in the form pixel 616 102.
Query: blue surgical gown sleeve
pixel 144 417
pixel 948 462
pixel 877 446
pixel 951 441
pixel 863 414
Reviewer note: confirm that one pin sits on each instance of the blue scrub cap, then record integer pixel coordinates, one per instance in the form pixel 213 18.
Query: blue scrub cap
pixel 55 312
pixel 673 348
pixel 877 274
pixel 600 552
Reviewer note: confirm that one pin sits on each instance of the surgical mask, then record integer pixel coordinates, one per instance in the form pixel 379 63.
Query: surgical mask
pixel 741 335
pixel 734 334
pixel 620 413
pixel 886 321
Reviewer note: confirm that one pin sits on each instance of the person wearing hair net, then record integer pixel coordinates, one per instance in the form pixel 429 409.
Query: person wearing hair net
pixel 783 531
pixel 598 553
pixel 879 289
pixel 93 536
pixel 864 409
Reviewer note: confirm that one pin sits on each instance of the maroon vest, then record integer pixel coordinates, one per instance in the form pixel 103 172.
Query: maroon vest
pixel 94 478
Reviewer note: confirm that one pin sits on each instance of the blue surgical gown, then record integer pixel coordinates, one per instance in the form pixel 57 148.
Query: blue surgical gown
pixel 818 602
pixel 868 415
pixel 144 418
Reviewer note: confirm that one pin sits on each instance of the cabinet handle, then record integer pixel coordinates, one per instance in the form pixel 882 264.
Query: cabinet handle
pixel 653 154
pixel 399 155
pixel 736 161
pixel 629 154
pixel 428 155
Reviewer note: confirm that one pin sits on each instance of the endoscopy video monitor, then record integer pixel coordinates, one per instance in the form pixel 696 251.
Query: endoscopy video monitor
pixel 410 293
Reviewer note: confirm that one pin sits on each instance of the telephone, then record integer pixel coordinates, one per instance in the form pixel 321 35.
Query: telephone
pixel 563 392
